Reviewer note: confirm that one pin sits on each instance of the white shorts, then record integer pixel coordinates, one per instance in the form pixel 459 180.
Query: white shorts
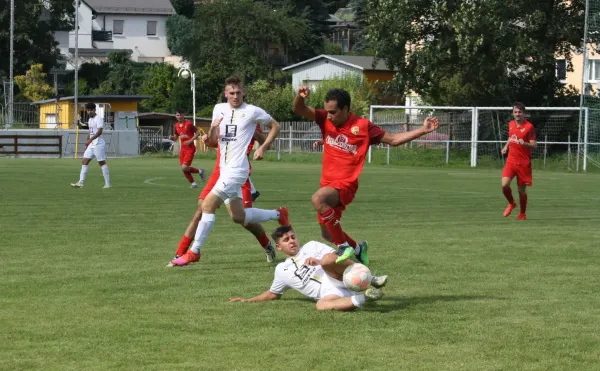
pixel 95 150
pixel 331 286
pixel 229 186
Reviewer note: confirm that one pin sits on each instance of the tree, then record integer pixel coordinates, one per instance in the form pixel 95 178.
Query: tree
pixel 35 23
pixel 160 81
pixel 184 7
pixel 455 52
pixel 33 84
pixel 180 35
pixel 125 76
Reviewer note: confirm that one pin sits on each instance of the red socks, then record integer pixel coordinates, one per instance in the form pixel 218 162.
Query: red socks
pixel 523 202
pixel 332 223
pixel 193 170
pixel 184 245
pixel 508 194
pixel 263 240
pixel 189 177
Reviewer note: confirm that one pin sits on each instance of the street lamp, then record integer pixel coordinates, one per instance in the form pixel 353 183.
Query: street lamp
pixel 185 72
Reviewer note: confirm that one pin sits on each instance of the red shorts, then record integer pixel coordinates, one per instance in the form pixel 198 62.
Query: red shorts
pixel 186 157
pixel 246 189
pixel 522 172
pixel 346 193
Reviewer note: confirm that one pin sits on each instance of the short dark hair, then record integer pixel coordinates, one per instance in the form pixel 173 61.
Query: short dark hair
pixel 233 80
pixel 280 231
pixel 341 96
pixel 519 105
pixel 180 110
pixel 90 106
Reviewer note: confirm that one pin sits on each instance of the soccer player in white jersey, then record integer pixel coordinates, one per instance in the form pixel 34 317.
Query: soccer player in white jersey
pixel 313 272
pixel 94 147
pixel 233 128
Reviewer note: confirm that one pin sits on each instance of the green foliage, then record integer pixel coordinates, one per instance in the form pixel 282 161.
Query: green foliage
pixel 35 24
pixel 124 78
pixel 159 81
pixel 180 36
pixel 276 100
pixel 206 111
pixel 33 84
pixel 474 52
pixel 83 87
pixel 184 7
pixel 360 93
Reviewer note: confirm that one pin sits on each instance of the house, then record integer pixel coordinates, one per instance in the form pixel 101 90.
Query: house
pixel 323 67
pixel 343 28
pixel 592 70
pixel 119 111
pixel 137 27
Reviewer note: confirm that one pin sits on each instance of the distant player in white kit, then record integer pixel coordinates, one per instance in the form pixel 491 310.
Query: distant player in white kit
pixel 313 272
pixel 233 128
pixel 94 147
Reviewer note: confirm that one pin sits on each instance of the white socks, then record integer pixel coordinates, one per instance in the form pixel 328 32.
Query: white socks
pixel 105 174
pixel 254 215
pixel 204 227
pixel 358 300
pixel 84 169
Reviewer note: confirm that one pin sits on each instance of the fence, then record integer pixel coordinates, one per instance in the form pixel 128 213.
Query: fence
pixel 53 115
pixel 467 136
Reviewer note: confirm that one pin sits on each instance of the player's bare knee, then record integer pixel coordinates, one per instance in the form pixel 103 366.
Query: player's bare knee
pixel 238 219
pixel 185 168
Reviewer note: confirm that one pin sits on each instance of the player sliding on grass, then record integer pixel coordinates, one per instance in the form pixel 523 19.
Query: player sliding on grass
pixel 188 133
pixel 521 140
pixel 346 140
pixel 313 272
pixel 233 128
pixel 247 198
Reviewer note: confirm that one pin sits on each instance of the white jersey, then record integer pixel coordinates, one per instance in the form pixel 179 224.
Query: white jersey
pixel 95 123
pixel 293 274
pixel 235 134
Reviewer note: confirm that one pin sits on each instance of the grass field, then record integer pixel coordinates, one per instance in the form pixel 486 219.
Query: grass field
pixel 83 283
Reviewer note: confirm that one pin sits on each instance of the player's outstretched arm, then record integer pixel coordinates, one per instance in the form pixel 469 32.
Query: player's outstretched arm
pixel 274 129
pixel 299 105
pixel 429 125
pixel 265 296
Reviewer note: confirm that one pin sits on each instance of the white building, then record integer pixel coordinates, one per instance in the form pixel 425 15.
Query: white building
pixel 135 26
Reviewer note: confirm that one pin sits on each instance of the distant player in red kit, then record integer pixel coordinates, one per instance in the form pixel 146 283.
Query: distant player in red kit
pixel 187 132
pixel 346 140
pixel 521 140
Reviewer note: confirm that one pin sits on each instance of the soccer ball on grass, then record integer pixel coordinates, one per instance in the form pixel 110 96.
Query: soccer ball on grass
pixel 357 277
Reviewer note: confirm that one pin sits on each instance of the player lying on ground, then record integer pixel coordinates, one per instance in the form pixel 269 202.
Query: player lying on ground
pixel 247 197
pixel 94 147
pixel 233 128
pixel 521 140
pixel 313 272
pixel 188 133
pixel 346 140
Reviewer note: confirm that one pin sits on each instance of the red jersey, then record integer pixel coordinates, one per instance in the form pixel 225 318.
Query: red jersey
pixel 345 147
pixel 517 153
pixel 186 131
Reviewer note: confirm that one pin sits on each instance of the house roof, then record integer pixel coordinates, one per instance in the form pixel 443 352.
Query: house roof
pixel 94 52
pixel 95 98
pixel 158 7
pixel 363 63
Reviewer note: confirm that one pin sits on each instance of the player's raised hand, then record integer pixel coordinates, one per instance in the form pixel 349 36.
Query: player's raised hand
pixel 312 261
pixel 504 150
pixel 431 124
pixel 259 153
pixel 303 91
pixel 316 144
pixel 204 138
pixel 216 123
pixel 233 300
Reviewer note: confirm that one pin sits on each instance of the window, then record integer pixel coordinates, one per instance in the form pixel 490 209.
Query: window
pixel 151 28
pixel 593 70
pixel 118 27
pixel 561 69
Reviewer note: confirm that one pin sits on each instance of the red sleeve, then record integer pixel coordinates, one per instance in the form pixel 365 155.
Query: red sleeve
pixel 320 117
pixel 531 135
pixel 193 127
pixel 375 134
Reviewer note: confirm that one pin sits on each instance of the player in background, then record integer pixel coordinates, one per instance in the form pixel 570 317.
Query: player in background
pixel 94 147
pixel 247 198
pixel 313 272
pixel 521 140
pixel 346 140
pixel 233 128
pixel 188 133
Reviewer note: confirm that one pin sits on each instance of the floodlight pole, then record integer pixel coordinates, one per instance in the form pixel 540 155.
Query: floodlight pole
pixel 193 87
pixel 11 89
pixel 76 92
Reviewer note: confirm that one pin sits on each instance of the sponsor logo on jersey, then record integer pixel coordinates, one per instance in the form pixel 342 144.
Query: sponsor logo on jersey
pixel 341 142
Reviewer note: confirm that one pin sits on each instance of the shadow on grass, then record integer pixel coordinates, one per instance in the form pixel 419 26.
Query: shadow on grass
pixel 392 304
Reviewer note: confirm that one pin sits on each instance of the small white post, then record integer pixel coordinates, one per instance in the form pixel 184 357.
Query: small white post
pixel 474 135
pixel 586 130
pixel 290 139
pixel 388 154
pixel 370 119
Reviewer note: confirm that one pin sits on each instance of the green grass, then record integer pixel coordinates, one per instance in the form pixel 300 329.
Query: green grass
pixel 84 284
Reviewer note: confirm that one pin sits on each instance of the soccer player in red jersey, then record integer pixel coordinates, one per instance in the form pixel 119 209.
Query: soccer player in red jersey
pixel 346 140
pixel 247 197
pixel 521 140
pixel 188 133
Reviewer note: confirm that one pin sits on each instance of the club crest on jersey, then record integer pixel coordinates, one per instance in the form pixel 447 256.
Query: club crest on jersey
pixel 522 130
pixel 341 142
pixel 355 130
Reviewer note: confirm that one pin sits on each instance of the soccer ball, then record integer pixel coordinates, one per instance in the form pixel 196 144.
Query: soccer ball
pixel 185 74
pixel 357 277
